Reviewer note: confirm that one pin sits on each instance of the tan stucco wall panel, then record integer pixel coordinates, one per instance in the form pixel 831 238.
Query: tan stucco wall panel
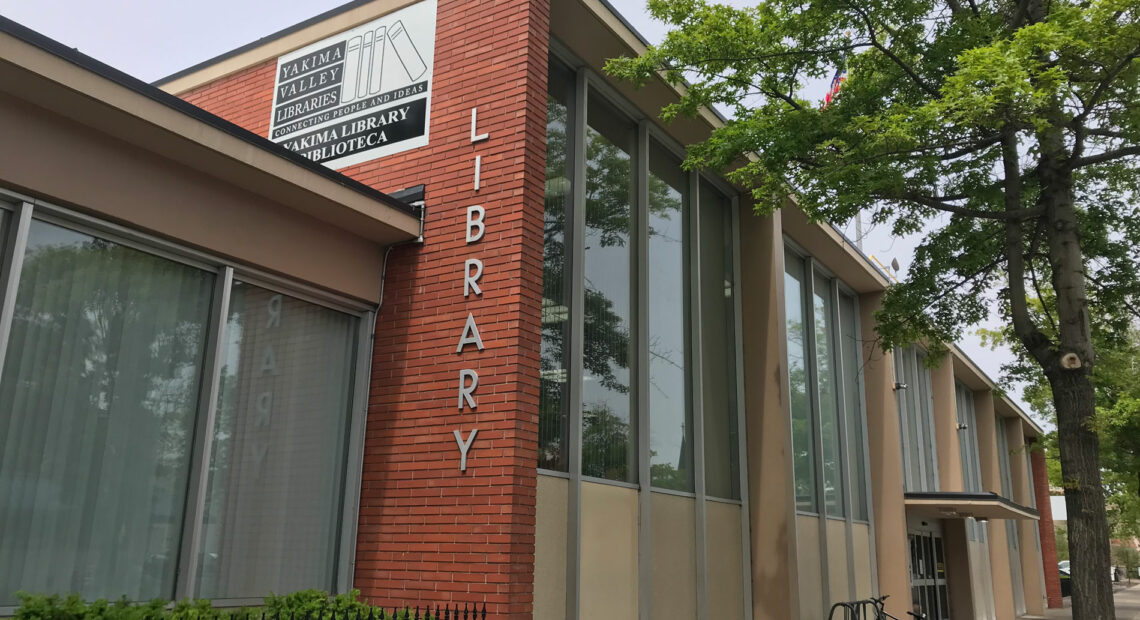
pixel 886 464
pixel 837 571
pixel 768 439
pixel 674 555
pixel 725 561
pixel 810 567
pixel 66 163
pixel 609 551
pixel 959 579
pixel 861 545
pixel 946 427
pixel 550 532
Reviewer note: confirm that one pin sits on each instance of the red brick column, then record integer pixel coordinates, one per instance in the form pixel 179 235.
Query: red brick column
pixel 1045 529
pixel 428 533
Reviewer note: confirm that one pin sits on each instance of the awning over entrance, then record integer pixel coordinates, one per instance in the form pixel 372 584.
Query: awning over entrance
pixel 963 505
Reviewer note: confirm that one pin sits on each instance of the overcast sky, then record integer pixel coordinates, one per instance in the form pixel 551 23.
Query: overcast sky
pixel 151 39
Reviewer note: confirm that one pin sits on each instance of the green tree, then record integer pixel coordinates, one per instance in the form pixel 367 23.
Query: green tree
pixel 1116 382
pixel 1061 535
pixel 1005 130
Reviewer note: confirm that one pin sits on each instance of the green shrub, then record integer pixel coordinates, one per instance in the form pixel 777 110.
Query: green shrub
pixel 315 603
pixel 311 604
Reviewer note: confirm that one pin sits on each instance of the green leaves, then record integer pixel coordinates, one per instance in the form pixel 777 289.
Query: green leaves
pixel 914 138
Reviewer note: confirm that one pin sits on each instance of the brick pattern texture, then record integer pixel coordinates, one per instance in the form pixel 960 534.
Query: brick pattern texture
pixel 1045 527
pixel 429 534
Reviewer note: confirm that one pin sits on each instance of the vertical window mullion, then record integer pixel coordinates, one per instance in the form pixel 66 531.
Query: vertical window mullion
pixel 355 456
pixel 931 439
pixel 903 408
pixel 741 423
pixel 12 261
pixel 185 583
pixel 577 257
pixel 697 392
pixel 640 281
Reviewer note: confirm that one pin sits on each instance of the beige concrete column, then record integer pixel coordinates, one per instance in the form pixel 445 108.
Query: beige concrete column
pixel 883 440
pixel 946 426
pixel 991 481
pixel 958 579
pixel 1027 534
pixel 768 419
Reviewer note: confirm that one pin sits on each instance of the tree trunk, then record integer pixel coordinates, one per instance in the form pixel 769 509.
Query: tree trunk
pixel 1089 551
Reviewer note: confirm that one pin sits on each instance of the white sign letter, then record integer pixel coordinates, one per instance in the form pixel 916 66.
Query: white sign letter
pixel 268 362
pixel 475 216
pixel 274 307
pixel 480 137
pixel 466 391
pixel 264 408
pixel 464 446
pixel 470 281
pixel 478 170
pixel 470 335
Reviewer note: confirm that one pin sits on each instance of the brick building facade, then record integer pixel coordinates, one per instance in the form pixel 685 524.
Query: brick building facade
pixel 541 366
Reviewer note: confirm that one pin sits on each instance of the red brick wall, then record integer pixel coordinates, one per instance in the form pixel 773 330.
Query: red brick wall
pixel 428 533
pixel 1045 526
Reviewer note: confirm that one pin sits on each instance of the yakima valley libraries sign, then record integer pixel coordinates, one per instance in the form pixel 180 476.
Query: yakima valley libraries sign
pixel 362 94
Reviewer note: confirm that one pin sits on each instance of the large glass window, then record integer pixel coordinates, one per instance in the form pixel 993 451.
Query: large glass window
pixel 671 421
pixel 609 431
pixel 629 245
pixel 828 423
pixel 102 400
pixel 273 507
pixel 97 406
pixel 968 440
pixel 852 368
pixel 552 406
pixel 916 420
pixel 718 353
pixel 625 244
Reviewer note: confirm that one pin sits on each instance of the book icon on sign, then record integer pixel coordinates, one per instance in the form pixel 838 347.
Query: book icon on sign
pixel 364 60
pixel 406 51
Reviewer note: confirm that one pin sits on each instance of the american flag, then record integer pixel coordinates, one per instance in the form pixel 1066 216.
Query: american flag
pixel 837 81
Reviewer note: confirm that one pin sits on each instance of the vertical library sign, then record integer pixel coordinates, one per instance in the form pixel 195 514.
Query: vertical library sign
pixel 359 95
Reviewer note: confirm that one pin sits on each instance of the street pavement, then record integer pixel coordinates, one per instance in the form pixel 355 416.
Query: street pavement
pixel 1127 598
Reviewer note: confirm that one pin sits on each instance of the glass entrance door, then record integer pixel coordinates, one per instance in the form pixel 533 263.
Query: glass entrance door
pixel 928 576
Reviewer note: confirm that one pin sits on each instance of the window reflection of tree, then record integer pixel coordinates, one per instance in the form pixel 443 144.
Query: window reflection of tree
pixel 606 355
pixel 108 338
pixel 801 418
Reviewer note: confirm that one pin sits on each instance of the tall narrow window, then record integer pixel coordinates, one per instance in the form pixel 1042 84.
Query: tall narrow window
pixel 718 335
pixel 826 385
pixel 552 399
pixel 851 351
pixel 803 442
pixel 609 444
pixel 276 476
pixel 968 440
pixel 916 420
pixel 671 438
pixel 97 405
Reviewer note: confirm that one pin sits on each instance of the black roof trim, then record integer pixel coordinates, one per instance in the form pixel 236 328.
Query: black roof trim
pixel 966 497
pixel 410 195
pixel 333 12
pixel 108 72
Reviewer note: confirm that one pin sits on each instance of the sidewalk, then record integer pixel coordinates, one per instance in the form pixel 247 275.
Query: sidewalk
pixel 1127 598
